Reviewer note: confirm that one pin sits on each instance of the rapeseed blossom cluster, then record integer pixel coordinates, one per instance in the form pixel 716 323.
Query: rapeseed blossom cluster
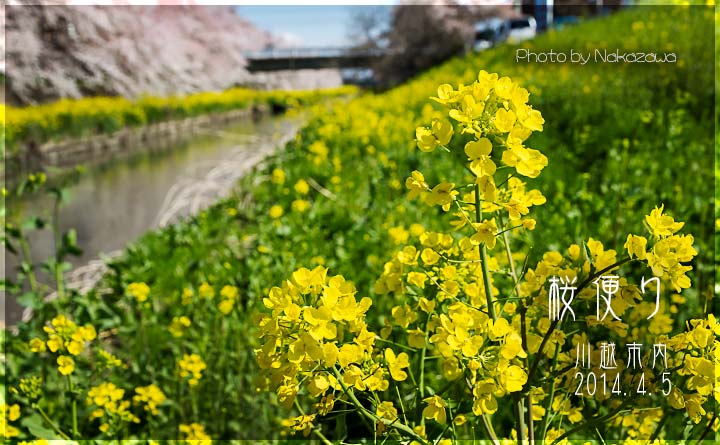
pixel 467 330
pixel 494 113
pixel 191 367
pixel 90 115
pixel 316 334
pixel 9 413
pixel 669 250
pixel 195 434
pixel 150 397
pixel 110 406
pixel 316 343
pixel 440 280
pixel 139 291
pixel 229 294
pixel 66 339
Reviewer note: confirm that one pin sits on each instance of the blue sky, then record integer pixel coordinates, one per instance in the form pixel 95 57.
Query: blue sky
pixel 307 26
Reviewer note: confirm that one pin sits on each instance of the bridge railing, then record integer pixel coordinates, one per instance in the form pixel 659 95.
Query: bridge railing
pixel 324 52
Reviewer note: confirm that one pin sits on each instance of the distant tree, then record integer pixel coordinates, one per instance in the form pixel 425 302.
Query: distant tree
pixel 421 36
pixel 368 27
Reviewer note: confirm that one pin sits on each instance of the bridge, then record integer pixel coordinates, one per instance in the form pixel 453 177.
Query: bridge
pixel 311 58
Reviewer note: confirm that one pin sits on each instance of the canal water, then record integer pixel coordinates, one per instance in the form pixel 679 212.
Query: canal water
pixel 114 203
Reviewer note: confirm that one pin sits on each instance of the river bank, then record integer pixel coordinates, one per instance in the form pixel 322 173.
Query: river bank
pixel 57 157
pixel 116 201
pixel 73 130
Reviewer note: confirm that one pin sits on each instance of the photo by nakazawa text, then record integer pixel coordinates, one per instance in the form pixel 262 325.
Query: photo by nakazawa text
pixel 596 56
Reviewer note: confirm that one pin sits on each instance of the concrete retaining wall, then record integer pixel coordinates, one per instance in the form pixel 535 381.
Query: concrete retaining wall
pixel 71 152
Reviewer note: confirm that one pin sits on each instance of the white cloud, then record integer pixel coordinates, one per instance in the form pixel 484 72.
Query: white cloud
pixel 288 39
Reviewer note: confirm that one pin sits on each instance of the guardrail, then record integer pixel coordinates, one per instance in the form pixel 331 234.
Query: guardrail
pixel 311 58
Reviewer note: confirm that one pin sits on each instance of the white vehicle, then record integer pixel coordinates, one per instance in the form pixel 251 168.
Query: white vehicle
pixel 490 32
pixel 523 28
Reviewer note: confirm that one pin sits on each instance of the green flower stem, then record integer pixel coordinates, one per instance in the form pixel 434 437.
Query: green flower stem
pixel 483 258
pixel 25 249
pixel 489 429
pixel 58 244
pixel 520 416
pixel 373 417
pixel 546 419
pixel 519 405
pixel 422 365
pixel 421 387
pixel 528 396
pixel 523 335
pixel 390 342
pixel 52 424
pixel 74 407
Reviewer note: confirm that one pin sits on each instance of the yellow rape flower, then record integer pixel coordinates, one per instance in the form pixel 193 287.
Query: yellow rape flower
pixel 443 195
pixel 179 325
pixel 478 153
pixel 276 211
pixel 9 413
pixel 446 95
pixel 151 396
pixel 54 343
pixel 505 87
pixel 527 162
pixel 206 291
pixel 531 119
pixel 513 378
pixel 439 133
pixel 300 205
pixel 483 400
pixel 139 291
pixel 302 423
pixel 398 234
pixel 469 111
pixel 435 409
pixel 504 120
pixel 386 410
pixel 191 365
pixel 105 395
pixel 416 184
pixel 403 315
pixel 229 292
pixel 226 306
pixel 635 246
pixel 396 364
pixel 485 232
pixel 195 434
pixel 662 225
pixel 278 176
pixel 37 345
pixel 187 296
pixel 302 187
pixel 512 347
pixel 66 365
pixel 417 279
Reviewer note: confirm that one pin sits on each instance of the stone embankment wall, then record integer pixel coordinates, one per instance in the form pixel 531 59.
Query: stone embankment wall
pixel 97 148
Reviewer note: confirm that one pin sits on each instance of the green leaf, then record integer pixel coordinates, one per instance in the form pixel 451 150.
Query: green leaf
pixel 36 425
pixel 69 245
pixel 31 300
